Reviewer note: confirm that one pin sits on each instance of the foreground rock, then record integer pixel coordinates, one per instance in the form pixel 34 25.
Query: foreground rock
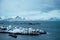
pixel 14 31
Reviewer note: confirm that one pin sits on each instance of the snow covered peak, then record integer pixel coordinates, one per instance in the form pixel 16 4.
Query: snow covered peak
pixel 54 19
pixel 17 17
pixel 0 18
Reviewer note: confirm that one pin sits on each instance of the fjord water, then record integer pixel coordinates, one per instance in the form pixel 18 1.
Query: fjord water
pixel 52 27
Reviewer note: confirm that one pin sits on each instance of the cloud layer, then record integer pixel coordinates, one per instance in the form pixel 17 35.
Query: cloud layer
pixel 30 8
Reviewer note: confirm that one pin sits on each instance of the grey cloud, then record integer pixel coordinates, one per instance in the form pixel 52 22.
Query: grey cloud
pixel 46 5
pixel 57 4
pixel 53 6
pixel 16 6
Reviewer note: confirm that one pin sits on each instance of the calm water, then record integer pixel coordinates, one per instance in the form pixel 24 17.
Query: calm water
pixel 52 27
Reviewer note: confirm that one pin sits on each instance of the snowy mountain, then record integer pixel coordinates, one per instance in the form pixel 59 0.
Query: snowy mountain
pixel 0 18
pixel 48 19
pixel 54 19
pixel 17 18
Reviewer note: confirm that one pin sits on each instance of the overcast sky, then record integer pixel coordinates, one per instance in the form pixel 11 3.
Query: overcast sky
pixel 30 8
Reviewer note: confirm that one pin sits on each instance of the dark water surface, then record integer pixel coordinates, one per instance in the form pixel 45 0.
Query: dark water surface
pixel 52 27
